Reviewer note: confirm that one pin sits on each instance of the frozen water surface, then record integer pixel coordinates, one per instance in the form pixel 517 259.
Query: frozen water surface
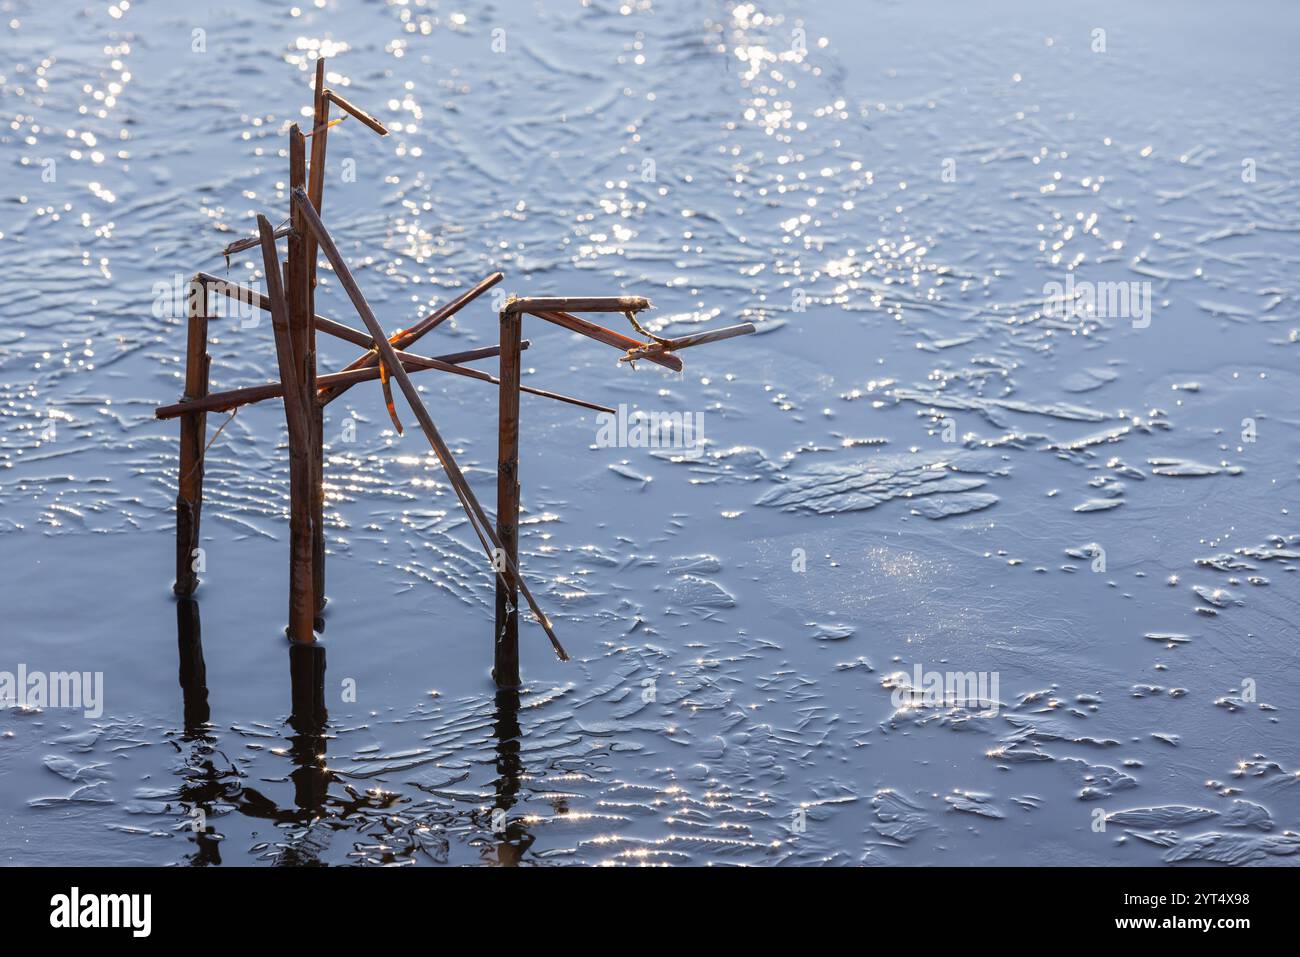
pixel 926 462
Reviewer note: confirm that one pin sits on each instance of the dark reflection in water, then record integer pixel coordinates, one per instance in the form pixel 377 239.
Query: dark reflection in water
pixel 193 672
pixel 204 784
pixel 308 720
pixel 213 784
pixel 326 803
pixel 311 778
pixel 513 837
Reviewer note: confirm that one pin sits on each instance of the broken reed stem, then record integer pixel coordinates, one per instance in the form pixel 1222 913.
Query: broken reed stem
pixel 320 138
pixel 301 607
pixel 194 426
pixel 234 398
pixel 607 336
pixel 478 519
pixel 662 346
pixel 408 337
pixel 239 245
pixel 558 397
pixel 537 304
pixel 506 652
pixel 325 126
pixel 221 428
pixel 357 112
pixel 713 335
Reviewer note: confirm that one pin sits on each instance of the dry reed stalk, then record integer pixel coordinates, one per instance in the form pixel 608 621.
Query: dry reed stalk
pixel 239 245
pixel 194 428
pixel 662 347
pixel 316 189
pixel 320 138
pixel 505 668
pixel 607 336
pixel 478 518
pixel 538 304
pixel 298 293
pixel 357 112
pixel 302 608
